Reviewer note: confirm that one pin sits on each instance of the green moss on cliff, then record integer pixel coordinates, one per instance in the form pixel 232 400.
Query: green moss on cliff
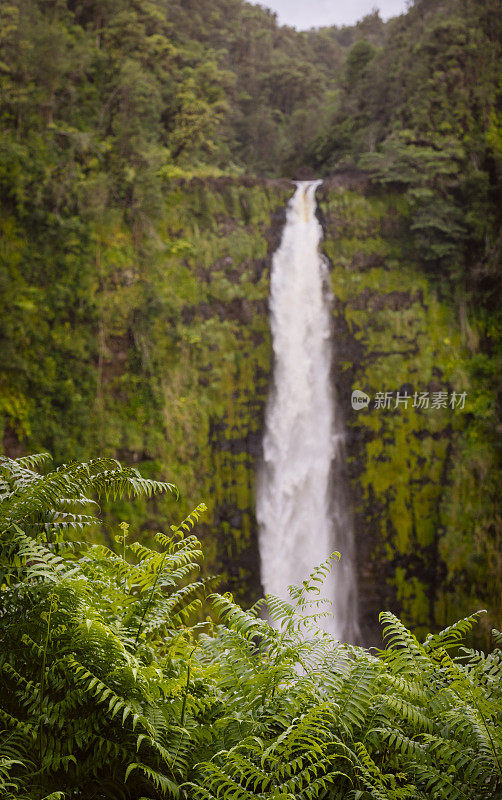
pixel 175 352
pixel 414 512
pixel 158 351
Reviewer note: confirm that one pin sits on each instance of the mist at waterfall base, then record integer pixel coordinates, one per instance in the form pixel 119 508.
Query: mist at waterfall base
pixel 301 495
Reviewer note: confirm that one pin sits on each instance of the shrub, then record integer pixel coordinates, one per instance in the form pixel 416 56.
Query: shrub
pixel 111 689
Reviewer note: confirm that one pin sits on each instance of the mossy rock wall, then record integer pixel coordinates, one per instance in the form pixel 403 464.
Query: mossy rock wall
pixel 151 343
pixel 422 539
pixel 159 354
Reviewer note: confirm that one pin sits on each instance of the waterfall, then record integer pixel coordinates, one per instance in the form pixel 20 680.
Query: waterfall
pixel 302 509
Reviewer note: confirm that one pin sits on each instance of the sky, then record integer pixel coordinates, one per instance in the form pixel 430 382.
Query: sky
pixel 303 14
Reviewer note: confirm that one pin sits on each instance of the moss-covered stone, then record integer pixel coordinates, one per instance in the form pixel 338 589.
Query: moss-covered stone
pixel 158 352
pixel 394 333
pixel 178 354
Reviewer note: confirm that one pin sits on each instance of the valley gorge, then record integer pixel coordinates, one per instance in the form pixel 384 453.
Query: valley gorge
pixel 177 384
pixel 250 402
pixel 147 158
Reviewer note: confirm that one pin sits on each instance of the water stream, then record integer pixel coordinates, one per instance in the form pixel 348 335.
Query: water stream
pixel 302 507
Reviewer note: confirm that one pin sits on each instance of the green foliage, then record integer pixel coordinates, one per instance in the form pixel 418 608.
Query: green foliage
pixel 358 60
pixel 419 113
pixel 135 281
pixel 109 689
pixel 432 174
pixel 95 645
pixel 411 721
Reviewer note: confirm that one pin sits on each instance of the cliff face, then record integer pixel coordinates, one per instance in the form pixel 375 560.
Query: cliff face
pixel 162 358
pixel 200 359
pixel 420 495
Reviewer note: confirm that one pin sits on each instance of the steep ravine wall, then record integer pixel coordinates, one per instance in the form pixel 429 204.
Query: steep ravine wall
pixel 418 476
pixel 204 349
pixel 162 357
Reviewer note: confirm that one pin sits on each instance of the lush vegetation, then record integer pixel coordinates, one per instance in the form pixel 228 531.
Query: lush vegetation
pixel 134 272
pixel 134 278
pixel 171 359
pixel 110 690
pixel 417 276
pixel 424 482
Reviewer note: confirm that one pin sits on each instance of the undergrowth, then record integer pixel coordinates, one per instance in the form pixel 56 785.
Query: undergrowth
pixel 111 688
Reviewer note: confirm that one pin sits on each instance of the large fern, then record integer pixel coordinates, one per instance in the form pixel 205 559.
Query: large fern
pixel 109 688
pixel 412 721
pixel 90 705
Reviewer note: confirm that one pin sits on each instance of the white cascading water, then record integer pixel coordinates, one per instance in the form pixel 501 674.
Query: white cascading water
pixel 301 502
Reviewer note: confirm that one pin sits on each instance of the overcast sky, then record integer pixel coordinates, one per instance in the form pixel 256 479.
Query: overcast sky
pixel 305 14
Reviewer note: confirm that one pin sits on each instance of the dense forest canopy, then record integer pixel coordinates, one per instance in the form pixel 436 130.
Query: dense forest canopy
pixel 102 101
pixel 105 102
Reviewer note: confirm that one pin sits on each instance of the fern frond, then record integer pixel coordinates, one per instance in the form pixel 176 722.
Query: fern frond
pixel 245 624
pixel 449 637
pixel 158 779
pixel 31 461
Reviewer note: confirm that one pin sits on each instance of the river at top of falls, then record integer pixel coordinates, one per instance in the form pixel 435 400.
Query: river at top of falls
pixel 301 494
